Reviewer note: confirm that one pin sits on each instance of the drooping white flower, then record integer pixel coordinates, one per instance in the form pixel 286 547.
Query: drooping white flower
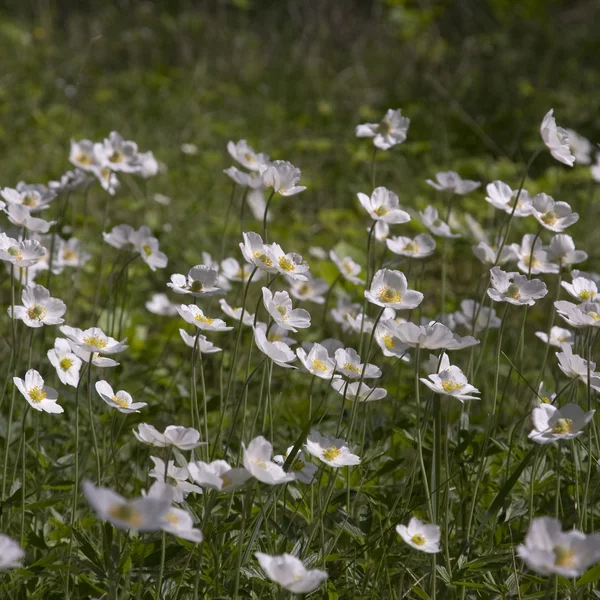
pixel 279 352
pixel 141 514
pixel 432 221
pixel 183 438
pixel 562 250
pixel 317 361
pixel 582 289
pixel 121 400
pixel 204 346
pixel 501 196
pixel 290 573
pixel 40 396
pixel 93 340
pixel 558 336
pixel 349 365
pixel 301 469
pixel 554 216
pixel 421 536
pixel 11 553
pixel 451 181
pixel 575 367
pixel 515 288
pixel 347 267
pixel 434 336
pixel 333 452
pixel 20 216
pixel 533 259
pixel 199 282
pixel 451 381
pixel 389 288
pixel 556 140
pixel 176 477
pixel 193 315
pixel 217 475
pixel 551 424
pixel 580 147
pixel 65 361
pixel 421 246
pixel 38 308
pixel 389 132
pixel 257 461
pixel 159 304
pixel 147 245
pixel 282 176
pixel 311 290
pixel 469 309
pixel 358 391
pixel 279 306
pixel 549 550
pixel 586 314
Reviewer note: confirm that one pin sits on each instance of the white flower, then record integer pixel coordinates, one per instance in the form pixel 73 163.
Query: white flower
pixel 500 196
pixel 363 323
pixel 453 182
pixel 147 246
pixel 358 391
pixel 122 400
pixel 69 253
pixel 40 396
pixel 317 361
pixel 421 246
pixel 581 147
pixel 276 333
pixel 120 236
pixel 582 288
pixel 31 199
pixel 421 536
pixel 66 363
pixel 586 314
pixel 432 221
pixel 548 550
pixel 97 360
pixel 200 281
pixel 451 381
pixel 390 344
pixel 177 478
pixel 486 318
pixel 249 180
pixel 347 267
pixel 390 131
pixel 70 181
pixel 554 216
pixel 20 254
pixel 20 216
pixel 236 313
pixel 290 573
pixel 575 367
pixel 558 336
pixel 11 554
pixel 532 259
pixel 349 365
pixel 551 424
pixel 118 154
pixel 82 154
pixel 256 252
pixel 217 475
pixel 436 364
pixel 257 461
pixel 38 308
pixel 310 291
pixel 290 264
pixel 562 250
pixel 184 438
pixel 515 288
pixel 282 176
pixel 233 271
pixel 333 452
pixel 180 523
pixel 279 352
pixel 204 346
pixel 162 199
pixel 434 336
pixel 141 514
pixel 243 153
pixel 556 140
pixel 160 304
pixel 195 316
pixel 389 288
pixel 279 306
pixel 383 205
pixel 93 340
pixel 344 312
pixel 189 149
pixel 147 165
pixel 302 470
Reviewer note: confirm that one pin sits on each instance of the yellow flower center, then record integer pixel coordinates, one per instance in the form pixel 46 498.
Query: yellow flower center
pixel 249 158
pixel 563 426
pixel 381 211
pixel 389 295
pixel 286 264
pixel 37 312
pixel 69 254
pixel 347 267
pixel 411 247
pixel 513 291
pixel 126 513
pixel 451 386
pixel 282 310
pixel 203 319
pixel 531 261
pixel 16 252
pixel 332 453
pixel 120 401
pixel 116 157
pixel 418 539
pixel 304 289
pixel 297 465
pixel 196 286
pixel 259 463
pixel 352 367
pixel 66 363
pixel 30 200
pixel 84 159
pixel 263 258
pixel 384 127
pixel 319 365
pixel 586 294
pixel 95 340
pixel 172 518
pixel 227 481
pixel 550 217
pixel 563 556
pixel 594 315
pixel 147 250
pixel 37 394
pixel 388 341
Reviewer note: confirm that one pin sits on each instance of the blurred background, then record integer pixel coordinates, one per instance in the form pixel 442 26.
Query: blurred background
pixel 294 78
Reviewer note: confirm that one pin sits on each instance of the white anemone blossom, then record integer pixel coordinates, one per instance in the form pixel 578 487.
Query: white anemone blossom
pixel 562 250
pixel 475 317
pixel 193 315
pixel 40 397
pixel 244 154
pixel 582 288
pixel 217 475
pixel 317 361
pixel 358 391
pixel 38 308
pixel 556 140
pixel 558 336
pixel 575 367
pixel 176 477
pixel 389 132
pixel 420 246
pixel 279 306
pixel 502 197
pixel 199 282
pixel 349 269
pixel 515 288
pixel 290 573
pixel 332 451
pixel 120 400
pixel 301 469
pixel 309 291
pixel 434 336
pixel 93 340
pixel 551 424
pixel 65 361
pixel 282 176
pixel 586 314
pixel 451 181
pixel 348 363
pixel 257 461
pixel 432 221
pixel 383 207
pixel 279 352
pixel 552 215
pixel 390 289
pixel 11 553
pixel 421 536
pixel 182 438
pixel 532 256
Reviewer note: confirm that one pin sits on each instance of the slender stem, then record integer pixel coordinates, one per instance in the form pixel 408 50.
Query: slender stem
pixel 265 215
pixel 92 424
pixel 419 432
pixel 23 476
